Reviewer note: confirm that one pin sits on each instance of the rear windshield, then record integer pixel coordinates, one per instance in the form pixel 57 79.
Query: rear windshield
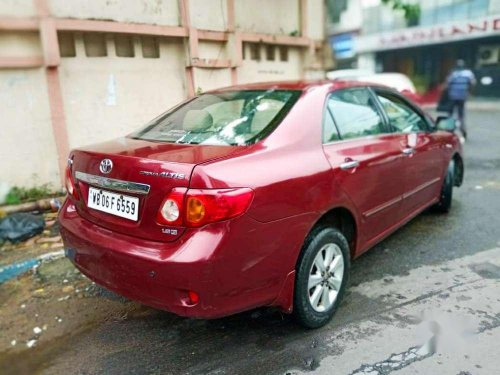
pixel 225 118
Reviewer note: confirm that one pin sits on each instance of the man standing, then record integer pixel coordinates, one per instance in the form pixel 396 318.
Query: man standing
pixel 459 83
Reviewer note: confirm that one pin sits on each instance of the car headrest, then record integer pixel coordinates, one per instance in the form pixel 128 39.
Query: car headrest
pixel 197 120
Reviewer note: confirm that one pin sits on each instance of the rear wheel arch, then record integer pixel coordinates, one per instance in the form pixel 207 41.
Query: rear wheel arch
pixel 338 217
pixel 342 219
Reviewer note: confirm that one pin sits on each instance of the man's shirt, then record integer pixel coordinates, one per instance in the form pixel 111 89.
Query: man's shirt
pixel 459 84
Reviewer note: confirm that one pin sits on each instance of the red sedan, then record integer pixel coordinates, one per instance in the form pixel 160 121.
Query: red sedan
pixel 255 195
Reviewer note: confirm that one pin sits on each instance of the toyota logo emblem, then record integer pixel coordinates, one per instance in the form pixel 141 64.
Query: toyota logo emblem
pixel 106 166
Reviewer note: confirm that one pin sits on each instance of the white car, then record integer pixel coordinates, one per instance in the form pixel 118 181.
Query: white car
pixel 347 74
pixel 397 81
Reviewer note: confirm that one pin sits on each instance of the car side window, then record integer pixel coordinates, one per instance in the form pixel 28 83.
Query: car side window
pixel 330 133
pixel 402 117
pixel 355 113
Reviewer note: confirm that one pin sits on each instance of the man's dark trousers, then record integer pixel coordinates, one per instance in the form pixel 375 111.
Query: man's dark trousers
pixel 459 105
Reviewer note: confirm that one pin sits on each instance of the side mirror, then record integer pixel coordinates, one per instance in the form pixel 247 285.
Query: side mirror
pixel 448 124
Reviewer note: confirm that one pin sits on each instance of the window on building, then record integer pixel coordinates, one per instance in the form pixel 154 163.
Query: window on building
pixel 66 44
pixel 283 50
pixel 95 44
pixel 254 51
pixel 124 45
pixel 460 10
pixel 478 8
pixel 244 47
pixel 335 9
pixel 150 47
pixel 444 11
pixel 434 12
pixel 270 52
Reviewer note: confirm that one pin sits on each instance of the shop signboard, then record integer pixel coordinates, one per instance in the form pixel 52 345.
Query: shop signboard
pixel 420 36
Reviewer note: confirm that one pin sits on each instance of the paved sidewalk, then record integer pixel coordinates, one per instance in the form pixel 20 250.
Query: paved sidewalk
pixel 441 319
pixel 476 104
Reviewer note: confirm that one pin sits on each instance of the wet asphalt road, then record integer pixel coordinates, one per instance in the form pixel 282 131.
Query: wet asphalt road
pixel 265 341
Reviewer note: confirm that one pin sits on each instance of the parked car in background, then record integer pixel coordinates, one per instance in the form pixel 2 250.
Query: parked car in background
pixel 348 74
pixel 255 195
pixel 397 81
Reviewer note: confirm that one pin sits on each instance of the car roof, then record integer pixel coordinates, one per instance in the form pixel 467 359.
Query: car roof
pixel 301 85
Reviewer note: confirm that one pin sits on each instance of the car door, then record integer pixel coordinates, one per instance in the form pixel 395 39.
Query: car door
pixel 365 158
pixel 422 148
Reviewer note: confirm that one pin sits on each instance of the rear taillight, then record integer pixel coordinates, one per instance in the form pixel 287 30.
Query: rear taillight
pixel 198 207
pixel 171 208
pixel 208 206
pixel 70 183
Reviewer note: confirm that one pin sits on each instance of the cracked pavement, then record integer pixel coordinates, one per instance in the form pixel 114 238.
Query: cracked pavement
pixel 424 301
pixel 443 330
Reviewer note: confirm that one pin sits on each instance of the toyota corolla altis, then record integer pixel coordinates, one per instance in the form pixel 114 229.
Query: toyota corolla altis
pixel 255 195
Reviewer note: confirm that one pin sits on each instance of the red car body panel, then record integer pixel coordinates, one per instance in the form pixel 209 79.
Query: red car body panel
pixel 248 261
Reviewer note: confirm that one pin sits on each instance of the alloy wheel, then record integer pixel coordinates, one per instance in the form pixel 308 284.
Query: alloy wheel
pixel 325 277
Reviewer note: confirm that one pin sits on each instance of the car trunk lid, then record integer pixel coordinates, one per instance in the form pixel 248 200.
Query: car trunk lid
pixel 143 170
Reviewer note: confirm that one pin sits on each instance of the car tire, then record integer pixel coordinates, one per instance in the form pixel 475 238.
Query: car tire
pixel 445 199
pixel 327 246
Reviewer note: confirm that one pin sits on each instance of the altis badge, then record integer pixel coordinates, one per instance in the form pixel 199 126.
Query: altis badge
pixel 174 175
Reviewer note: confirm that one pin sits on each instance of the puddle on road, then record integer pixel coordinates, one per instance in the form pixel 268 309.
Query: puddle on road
pixel 486 270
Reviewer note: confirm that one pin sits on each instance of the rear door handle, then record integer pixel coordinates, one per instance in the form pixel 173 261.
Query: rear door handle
pixel 409 151
pixel 349 165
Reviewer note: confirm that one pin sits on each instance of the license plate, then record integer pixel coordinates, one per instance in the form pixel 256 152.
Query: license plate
pixel 114 204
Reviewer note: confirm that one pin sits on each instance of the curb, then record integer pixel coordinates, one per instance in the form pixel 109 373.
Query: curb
pixel 470 106
pixel 15 269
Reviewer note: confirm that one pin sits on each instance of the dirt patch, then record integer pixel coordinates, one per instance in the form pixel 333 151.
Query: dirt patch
pixel 43 309
pixel 52 302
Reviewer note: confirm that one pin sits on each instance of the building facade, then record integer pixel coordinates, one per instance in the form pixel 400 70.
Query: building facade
pixel 367 34
pixel 78 72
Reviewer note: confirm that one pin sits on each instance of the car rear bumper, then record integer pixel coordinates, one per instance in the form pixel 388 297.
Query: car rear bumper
pixel 228 279
pixel 138 269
